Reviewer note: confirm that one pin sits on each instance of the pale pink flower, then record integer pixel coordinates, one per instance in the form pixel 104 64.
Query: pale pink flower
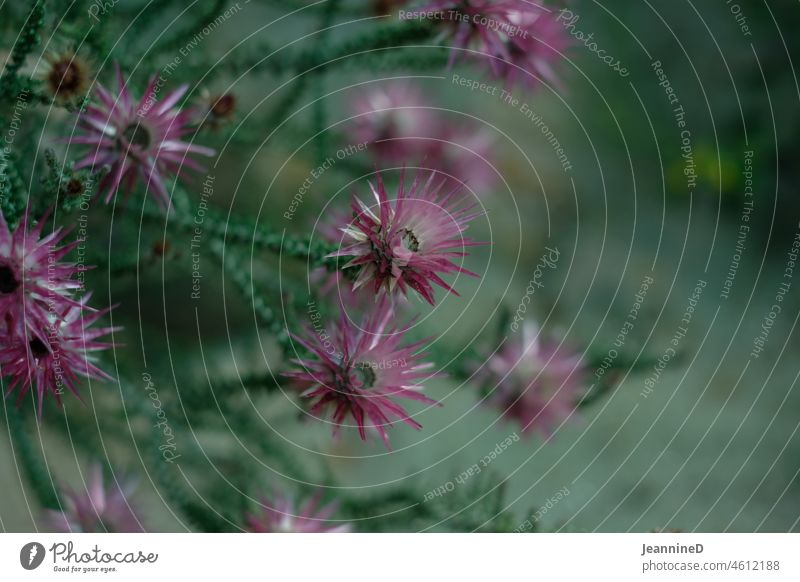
pixel 410 241
pixel 535 381
pixel 139 140
pixel 67 352
pixel 34 281
pixel 280 515
pixel 509 34
pixel 99 508
pixel 357 371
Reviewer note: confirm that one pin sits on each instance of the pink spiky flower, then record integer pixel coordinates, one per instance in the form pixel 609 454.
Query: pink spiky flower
pixel 279 515
pixel 400 124
pixel 50 365
pixel 463 154
pixel 137 139
pixel 512 34
pixel 535 381
pixel 394 119
pixel 359 370
pixel 97 509
pixel 335 283
pixel 34 282
pixel 408 242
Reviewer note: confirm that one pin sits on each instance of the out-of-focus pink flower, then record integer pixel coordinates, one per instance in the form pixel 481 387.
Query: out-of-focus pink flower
pixel 279 515
pixel 97 509
pixel 534 381
pixel 138 140
pixel 335 284
pixel 50 365
pixel 392 119
pixel 464 156
pixel 214 110
pixel 409 241
pixel 358 370
pixel 401 126
pixel 34 282
pixel 511 34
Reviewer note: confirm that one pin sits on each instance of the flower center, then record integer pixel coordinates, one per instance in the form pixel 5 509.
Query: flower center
pixel 365 374
pixel 224 105
pixel 138 135
pixel 38 348
pixel 74 187
pixel 8 282
pixel 65 77
pixel 410 240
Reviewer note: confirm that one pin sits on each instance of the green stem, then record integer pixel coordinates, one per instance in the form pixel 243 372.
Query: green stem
pixel 269 317
pixel 391 36
pixel 166 474
pixel 35 470
pixel 27 41
pixel 285 102
pixel 292 5
pixel 12 188
pixel 248 235
pixel 179 39
pixel 318 111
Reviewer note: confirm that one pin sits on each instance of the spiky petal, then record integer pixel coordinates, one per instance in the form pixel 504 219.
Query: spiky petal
pixel 49 366
pixel 358 371
pixel 138 140
pixel 535 381
pixel 34 281
pixel 278 514
pixel 96 509
pixel 408 242
pixel 400 124
pixel 519 39
pixel 395 119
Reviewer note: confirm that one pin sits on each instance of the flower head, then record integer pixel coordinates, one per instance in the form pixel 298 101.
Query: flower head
pixel 463 155
pixel 394 119
pixel 335 283
pixel 410 241
pixel 137 139
pixel 400 124
pixel 358 371
pixel 279 515
pixel 536 382
pixel 66 76
pixel 34 282
pixel 511 34
pixel 215 109
pixel 49 365
pixel 97 509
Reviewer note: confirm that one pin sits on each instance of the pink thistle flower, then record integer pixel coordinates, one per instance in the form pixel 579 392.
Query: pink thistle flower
pixel 359 371
pixel 47 366
pixel 97 509
pixel 400 124
pixel 394 119
pixel 410 241
pixel 335 283
pixel 137 139
pixel 279 515
pixel 538 382
pixel 464 155
pixel 510 33
pixel 33 281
